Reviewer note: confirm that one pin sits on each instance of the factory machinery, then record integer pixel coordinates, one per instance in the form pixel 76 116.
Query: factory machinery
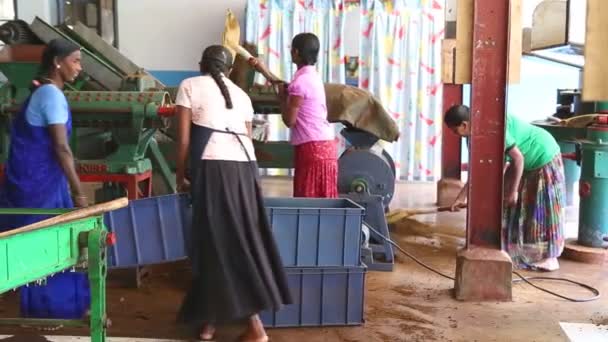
pixel 73 240
pixel 119 111
pixel 121 119
pixel 366 175
pixel 122 133
pixel 581 129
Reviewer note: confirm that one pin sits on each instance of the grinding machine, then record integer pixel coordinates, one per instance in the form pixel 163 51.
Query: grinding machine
pixel 122 133
pixel 569 105
pixel 366 172
pixel 591 154
pixel 119 111
pixel 581 130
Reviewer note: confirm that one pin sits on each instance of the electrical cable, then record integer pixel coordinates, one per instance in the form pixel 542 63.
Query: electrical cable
pixel 593 290
pixel 596 292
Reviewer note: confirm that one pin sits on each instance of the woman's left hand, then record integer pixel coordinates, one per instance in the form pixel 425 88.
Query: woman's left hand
pixel 183 185
pixel 511 199
pixel 81 201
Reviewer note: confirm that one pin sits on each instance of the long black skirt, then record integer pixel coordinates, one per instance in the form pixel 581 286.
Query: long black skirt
pixel 237 269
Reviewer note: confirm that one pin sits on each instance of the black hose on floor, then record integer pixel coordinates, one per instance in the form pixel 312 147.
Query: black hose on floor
pixel 593 290
pixel 596 292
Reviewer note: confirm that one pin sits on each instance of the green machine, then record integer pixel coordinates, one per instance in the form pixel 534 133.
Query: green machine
pixel 565 137
pixel 120 112
pixel 269 154
pixel 570 105
pixel 592 154
pixel 76 240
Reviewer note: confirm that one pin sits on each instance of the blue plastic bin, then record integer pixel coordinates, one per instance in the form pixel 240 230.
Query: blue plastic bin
pixel 150 231
pixel 322 297
pixel 315 232
pixel 64 295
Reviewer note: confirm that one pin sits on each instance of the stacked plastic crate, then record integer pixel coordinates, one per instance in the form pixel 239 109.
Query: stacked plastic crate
pixel 319 241
pixel 320 245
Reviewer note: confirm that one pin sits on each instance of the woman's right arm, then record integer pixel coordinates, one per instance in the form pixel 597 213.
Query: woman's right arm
pixel 64 155
pixel 461 199
pixel 259 65
pixel 290 105
pixel 184 116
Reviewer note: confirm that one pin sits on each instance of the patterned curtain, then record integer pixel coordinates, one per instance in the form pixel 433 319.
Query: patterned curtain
pixel 400 63
pixel 271 25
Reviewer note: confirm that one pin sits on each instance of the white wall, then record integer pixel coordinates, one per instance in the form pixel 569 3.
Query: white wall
pixel 171 35
pixel 176 31
pixel 27 10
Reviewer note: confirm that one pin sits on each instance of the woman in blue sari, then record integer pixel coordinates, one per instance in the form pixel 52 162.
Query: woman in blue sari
pixel 40 172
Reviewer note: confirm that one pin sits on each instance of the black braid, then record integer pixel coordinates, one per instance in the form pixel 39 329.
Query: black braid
pixel 214 71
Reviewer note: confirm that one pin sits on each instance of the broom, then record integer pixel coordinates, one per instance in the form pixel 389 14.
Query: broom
pixel 232 36
pixel 399 214
pixel 231 41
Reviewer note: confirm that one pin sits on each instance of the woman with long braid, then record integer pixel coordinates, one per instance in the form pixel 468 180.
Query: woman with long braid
pixel 237 270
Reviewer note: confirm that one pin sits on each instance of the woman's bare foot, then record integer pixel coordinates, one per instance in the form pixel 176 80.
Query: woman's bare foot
pixel 549 264
pixel 255 331
pixel 207 332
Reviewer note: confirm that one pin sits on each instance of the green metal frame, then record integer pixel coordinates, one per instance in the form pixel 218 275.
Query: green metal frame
pixel 112 94
pixel 76 244
pixel 129 119
pixel 565 137
pixel 593 188
pixel 271 154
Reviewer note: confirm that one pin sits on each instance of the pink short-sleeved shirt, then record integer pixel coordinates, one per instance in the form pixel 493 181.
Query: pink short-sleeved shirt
pixel 311 121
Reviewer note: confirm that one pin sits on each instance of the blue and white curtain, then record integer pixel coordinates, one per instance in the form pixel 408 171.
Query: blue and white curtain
pixel 271 25
pixel 399 62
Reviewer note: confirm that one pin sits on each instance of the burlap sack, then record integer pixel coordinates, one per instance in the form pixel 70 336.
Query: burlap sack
pixel 351 106
pixel 359 108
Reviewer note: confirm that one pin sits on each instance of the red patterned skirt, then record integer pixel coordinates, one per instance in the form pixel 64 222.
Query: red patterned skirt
pixel 316 169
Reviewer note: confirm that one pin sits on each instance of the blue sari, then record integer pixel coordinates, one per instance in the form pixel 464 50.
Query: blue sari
pixel 34 179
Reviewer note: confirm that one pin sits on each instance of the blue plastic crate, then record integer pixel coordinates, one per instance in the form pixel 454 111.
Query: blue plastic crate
pixel 322 297
pixel 316 232
pixel 150 231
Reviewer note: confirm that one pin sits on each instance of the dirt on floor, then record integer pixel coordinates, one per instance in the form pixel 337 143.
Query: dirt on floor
pixel 394 310
pixel 409 304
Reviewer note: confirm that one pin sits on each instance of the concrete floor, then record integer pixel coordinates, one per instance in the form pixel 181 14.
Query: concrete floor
pixel 408 304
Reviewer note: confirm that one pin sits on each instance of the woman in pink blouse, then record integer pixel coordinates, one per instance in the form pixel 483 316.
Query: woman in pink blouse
pixel 304 111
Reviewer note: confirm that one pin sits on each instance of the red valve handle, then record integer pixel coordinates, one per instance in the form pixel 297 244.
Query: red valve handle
pixel 166 111
pixel 584 189
pixel 110 239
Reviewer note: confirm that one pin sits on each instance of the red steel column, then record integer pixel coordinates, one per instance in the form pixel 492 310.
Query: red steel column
pixel 451 148
pixel 488 93
pixel 448 187
pixel 483 270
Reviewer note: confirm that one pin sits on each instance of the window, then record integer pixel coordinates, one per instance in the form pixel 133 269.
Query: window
pixel 7 13
pixel 7 10
pixel 571 53
pixel 577 21
pixel 99 15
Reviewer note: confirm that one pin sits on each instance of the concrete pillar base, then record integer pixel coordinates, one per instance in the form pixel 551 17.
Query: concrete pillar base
pixel 588 255
pixel 447 191
pixel 483 274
